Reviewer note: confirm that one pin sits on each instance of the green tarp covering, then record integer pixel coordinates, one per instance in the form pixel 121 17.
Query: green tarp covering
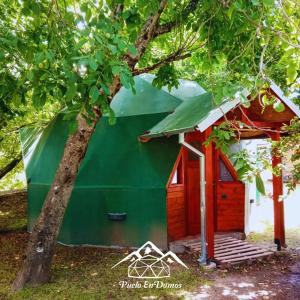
pixel 119 174
pixel 147 100
pixel 185 117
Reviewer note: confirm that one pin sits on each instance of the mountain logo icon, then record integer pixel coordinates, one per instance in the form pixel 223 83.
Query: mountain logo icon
pixel 149 262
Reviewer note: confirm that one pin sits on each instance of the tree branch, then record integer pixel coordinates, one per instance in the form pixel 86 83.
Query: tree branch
pixel 10 166
pixel 117 11
pixel 173 57
pixel 145 36
pixel 167 27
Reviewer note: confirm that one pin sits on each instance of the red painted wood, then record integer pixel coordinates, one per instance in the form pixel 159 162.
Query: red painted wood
pixel 230 198
pixel 279 228
pixel 209 187
pixel 193 197
pixel 176 217
pixel 176 207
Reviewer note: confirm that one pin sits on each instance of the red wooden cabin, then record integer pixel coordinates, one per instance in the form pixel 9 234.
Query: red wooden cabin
pixel 225 194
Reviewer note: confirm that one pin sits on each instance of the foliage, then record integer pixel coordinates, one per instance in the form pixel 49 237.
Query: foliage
pixel 10 143
pixel 290 144
pixel 223 136
pixel 245 164
pixel 166 76
pixel 67 53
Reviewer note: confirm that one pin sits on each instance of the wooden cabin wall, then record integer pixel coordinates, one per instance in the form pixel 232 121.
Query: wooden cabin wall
pixel 176 203
pixel 183 199
pixel 176 212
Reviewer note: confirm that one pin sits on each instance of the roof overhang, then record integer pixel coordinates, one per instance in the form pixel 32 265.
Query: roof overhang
pixel 217 113
pixel 199 113
pixel 195 114
pixel 279 93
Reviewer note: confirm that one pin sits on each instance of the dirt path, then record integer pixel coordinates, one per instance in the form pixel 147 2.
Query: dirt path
pixel 276 279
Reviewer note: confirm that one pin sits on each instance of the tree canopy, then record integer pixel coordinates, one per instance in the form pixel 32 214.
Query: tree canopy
pixel 65 54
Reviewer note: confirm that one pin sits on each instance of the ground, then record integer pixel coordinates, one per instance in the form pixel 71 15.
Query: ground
pixel 85 273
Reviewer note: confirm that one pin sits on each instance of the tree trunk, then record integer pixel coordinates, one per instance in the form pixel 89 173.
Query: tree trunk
pixel 36 266
pixel 10 166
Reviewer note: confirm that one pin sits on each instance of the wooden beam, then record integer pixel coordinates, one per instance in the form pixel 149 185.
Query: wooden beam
pixel 259 124
pixel 210 209
pixel 279 229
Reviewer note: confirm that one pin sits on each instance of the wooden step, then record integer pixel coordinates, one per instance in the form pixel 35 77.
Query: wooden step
pixel 239 248
pixel 238 254
pixel 245 258
pixel 229 250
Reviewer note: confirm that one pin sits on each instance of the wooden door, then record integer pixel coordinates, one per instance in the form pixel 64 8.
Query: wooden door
pixel 229 197
pixel 230 206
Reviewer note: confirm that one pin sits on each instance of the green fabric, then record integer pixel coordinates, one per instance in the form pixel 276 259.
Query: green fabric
pixel 147 100
pixel 29 137
pixel 185 117
pixel 187 89
pixel 118 174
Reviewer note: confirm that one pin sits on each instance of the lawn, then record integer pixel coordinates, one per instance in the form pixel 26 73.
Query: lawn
pixel 85 272
pixel 80 272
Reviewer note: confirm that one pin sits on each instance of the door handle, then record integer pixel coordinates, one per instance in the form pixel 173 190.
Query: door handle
pixel 224 196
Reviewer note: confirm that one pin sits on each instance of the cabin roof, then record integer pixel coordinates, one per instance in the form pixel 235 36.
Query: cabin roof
pixel 200 112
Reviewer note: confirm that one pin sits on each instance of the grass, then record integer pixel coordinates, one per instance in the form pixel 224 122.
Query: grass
pixel 80 272
pixel 267 237
pixel 12 214
pixel 85 273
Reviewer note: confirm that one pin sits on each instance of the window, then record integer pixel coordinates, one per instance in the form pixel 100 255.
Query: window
pixel 178 174
pixel 224 172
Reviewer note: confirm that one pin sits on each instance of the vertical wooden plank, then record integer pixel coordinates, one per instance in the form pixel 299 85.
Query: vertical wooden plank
pixel 279 230
pixel 210 209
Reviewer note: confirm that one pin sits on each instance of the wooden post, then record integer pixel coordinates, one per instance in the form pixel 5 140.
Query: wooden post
pixel 279 230
pixel 209 176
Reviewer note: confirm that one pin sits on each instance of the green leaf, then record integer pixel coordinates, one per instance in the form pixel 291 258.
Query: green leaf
pixel 132 50
pixel 99 57
pixel 260 184
pixel 105 88
pixel 88 15
pixel 38 99
pixel 245 102
pixel 264 99
pixel 93 63
pixel 121 44
pixel 71 91
pixel 94 94
pixel 125 80
pixel 80 44
pixel 278 106
pixel 268 2
pixel 255 2
pixel 111 117
pixel 116 70
pixel 291 72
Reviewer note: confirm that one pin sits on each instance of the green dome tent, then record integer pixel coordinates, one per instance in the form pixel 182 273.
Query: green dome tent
pixel 120 177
